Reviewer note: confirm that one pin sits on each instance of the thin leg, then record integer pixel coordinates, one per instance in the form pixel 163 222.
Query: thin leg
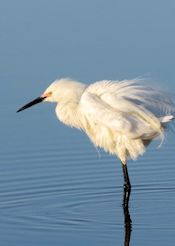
pixel 127 186
pixel 126 196
pixel 127 183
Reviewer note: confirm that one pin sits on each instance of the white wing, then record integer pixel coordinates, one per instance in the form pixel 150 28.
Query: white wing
pixel 126 107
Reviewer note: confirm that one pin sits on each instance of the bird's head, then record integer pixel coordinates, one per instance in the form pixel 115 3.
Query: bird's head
pixel 59 91
pixel 49 95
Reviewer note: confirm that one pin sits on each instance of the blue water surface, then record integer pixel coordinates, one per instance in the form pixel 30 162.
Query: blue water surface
pixel 55 187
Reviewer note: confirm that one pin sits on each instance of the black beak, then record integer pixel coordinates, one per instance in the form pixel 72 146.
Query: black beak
pixel 28 105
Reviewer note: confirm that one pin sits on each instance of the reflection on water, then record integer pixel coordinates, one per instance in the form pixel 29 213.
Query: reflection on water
pixel 127 217
pixel 60 191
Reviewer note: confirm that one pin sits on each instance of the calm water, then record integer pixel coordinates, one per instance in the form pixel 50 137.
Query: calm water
pixel 55 187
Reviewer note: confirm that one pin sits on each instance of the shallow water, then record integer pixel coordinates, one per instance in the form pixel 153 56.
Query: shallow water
pixel 56 188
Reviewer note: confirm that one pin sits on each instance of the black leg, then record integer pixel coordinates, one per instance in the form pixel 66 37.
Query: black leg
pixel 127 186
pixel 127 183
pixel 126 196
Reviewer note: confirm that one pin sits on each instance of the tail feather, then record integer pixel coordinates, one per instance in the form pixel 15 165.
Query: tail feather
pixel 167 118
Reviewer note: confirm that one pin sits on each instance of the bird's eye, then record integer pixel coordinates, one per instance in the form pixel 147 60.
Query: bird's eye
pixel 48 94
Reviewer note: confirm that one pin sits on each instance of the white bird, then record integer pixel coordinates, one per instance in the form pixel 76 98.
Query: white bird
pixel 122 117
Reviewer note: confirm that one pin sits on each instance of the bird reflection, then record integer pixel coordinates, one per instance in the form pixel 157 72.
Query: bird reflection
pixel 127 217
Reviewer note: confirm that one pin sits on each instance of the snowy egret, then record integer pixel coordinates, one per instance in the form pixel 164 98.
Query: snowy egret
pixel 122 117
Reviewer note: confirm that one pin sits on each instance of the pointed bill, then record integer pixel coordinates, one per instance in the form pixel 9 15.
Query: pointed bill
pixel 30 104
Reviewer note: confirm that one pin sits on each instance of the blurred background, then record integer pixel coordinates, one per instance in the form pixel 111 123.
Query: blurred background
pixel 54 188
